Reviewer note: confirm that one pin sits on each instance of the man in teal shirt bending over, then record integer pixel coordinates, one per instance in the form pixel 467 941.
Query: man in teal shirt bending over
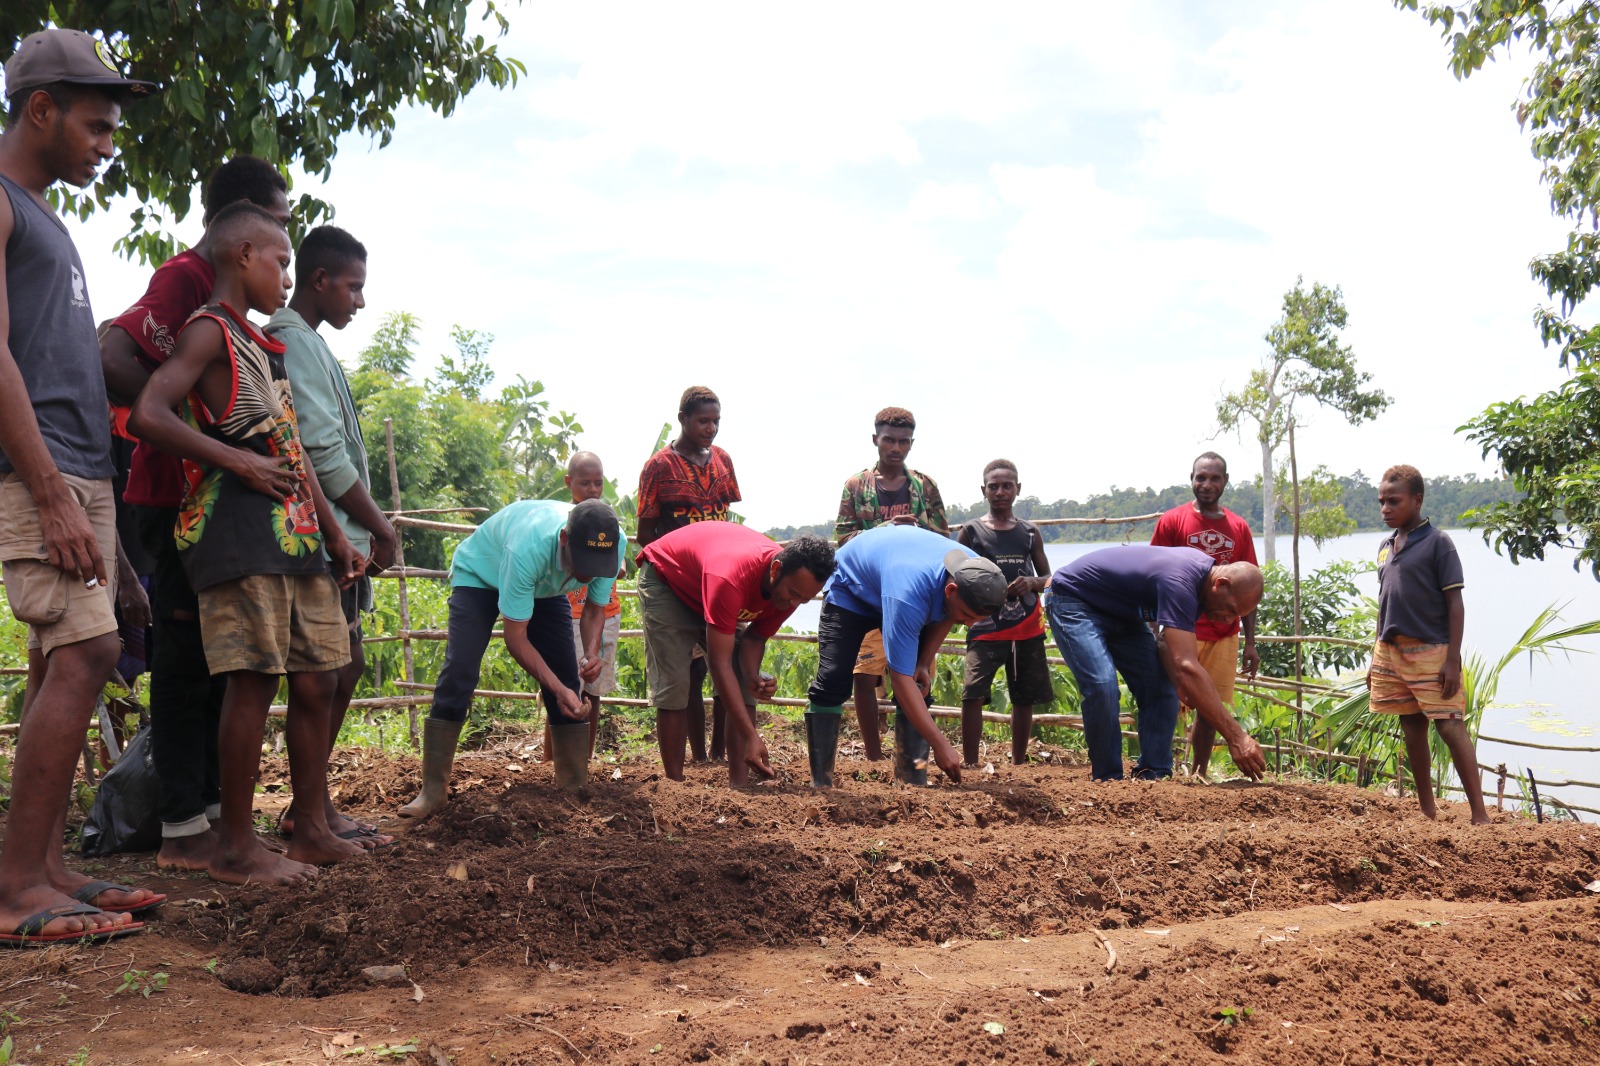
pixel 520 565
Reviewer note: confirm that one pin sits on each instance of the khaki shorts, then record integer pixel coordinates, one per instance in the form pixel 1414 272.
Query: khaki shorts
pixel 274 624
pixel 672 630
pixel 1405 680
pixel 871 660
pixel 1221 660
pixel 606 683
pixel 56 606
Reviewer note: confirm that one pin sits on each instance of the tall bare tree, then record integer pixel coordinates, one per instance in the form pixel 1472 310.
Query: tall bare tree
pixel 1306 360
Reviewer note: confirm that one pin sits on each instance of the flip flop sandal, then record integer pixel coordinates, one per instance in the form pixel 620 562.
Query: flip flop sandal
pixel 362 832
pixel 88 892
pixel 27 935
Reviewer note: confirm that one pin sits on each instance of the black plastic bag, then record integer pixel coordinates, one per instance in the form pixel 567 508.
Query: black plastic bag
pixel 126 815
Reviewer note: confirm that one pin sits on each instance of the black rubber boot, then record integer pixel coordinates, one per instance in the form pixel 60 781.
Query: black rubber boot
pixel 822 744
pixel 910 752
pixel 439 739
pixel 571 741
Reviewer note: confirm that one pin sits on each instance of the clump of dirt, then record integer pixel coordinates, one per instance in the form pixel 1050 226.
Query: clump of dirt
pixel 639 868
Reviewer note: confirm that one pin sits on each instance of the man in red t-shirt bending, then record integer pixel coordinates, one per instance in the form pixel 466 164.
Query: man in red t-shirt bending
pixel 1223 535
pixel 700 585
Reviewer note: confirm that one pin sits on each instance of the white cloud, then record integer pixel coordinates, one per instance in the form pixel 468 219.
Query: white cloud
pixel 1051 239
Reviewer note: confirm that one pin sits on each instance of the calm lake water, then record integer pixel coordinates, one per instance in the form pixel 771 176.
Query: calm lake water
pixel 1549 701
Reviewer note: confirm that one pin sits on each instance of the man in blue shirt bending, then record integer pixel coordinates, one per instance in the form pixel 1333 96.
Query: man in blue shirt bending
pixel 1106 609
pixel 914 585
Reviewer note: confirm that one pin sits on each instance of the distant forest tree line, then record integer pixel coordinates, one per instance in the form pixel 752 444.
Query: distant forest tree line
pixel 1449 500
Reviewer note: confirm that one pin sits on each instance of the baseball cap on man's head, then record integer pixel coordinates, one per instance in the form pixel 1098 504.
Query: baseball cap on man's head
pixel 979 581
pixel 594 540
pixel 70 56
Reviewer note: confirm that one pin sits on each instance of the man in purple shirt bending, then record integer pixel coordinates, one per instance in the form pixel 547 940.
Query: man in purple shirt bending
pixel 1131 610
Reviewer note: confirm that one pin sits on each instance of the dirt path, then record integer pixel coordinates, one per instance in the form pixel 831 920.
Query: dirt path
pixel 643 921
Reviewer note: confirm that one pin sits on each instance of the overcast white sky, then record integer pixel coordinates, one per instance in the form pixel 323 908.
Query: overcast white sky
pixel 1055 232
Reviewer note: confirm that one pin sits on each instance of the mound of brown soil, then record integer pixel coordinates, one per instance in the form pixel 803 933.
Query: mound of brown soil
pixel 647 869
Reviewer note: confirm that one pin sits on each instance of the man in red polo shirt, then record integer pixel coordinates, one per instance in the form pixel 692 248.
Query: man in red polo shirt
pixel 700 584
pixel 1223 535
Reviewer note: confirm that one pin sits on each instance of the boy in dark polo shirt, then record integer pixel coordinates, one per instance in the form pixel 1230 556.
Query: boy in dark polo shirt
pixel 1416 662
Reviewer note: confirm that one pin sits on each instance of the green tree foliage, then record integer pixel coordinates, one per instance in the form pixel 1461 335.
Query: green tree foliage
pixel 281 81
pixel 1305 361
pixel 1330 606
pixel 1549 444
pixel 1322 513
pixel 455 445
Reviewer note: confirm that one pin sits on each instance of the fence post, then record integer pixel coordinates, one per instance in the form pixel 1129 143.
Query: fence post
pixel 1294 549
pixel 400 562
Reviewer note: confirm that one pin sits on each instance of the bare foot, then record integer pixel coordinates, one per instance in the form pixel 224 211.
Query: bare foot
pixel 321 847
pixel 108 899
pixel 360 833
pixel 257 866
pixel 337 822
pixel 272 844
pixel 187 853
pixel 1482 819
pixel 37 898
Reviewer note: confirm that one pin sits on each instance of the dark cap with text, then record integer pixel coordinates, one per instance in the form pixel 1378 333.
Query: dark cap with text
pixel 70 56
pixel 978 580
pixel 594 540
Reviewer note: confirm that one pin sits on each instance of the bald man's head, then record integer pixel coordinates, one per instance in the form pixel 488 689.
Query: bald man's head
pixel 586 478
pixel 1233 591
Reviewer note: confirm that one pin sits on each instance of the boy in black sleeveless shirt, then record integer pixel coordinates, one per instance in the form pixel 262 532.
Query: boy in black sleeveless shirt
pixel 1014 636
pixel 251 533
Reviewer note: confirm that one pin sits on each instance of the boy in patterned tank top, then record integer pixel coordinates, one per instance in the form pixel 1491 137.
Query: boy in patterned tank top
pixel 251 532
pixel 1013 637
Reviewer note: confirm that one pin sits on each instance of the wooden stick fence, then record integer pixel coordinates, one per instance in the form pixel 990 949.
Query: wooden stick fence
pixel 1257 688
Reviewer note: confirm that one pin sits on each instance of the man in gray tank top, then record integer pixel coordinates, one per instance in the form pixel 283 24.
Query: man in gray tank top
pixel 57 521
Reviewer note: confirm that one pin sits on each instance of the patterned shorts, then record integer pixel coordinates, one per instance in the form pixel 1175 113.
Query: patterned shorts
pixel 1405 680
